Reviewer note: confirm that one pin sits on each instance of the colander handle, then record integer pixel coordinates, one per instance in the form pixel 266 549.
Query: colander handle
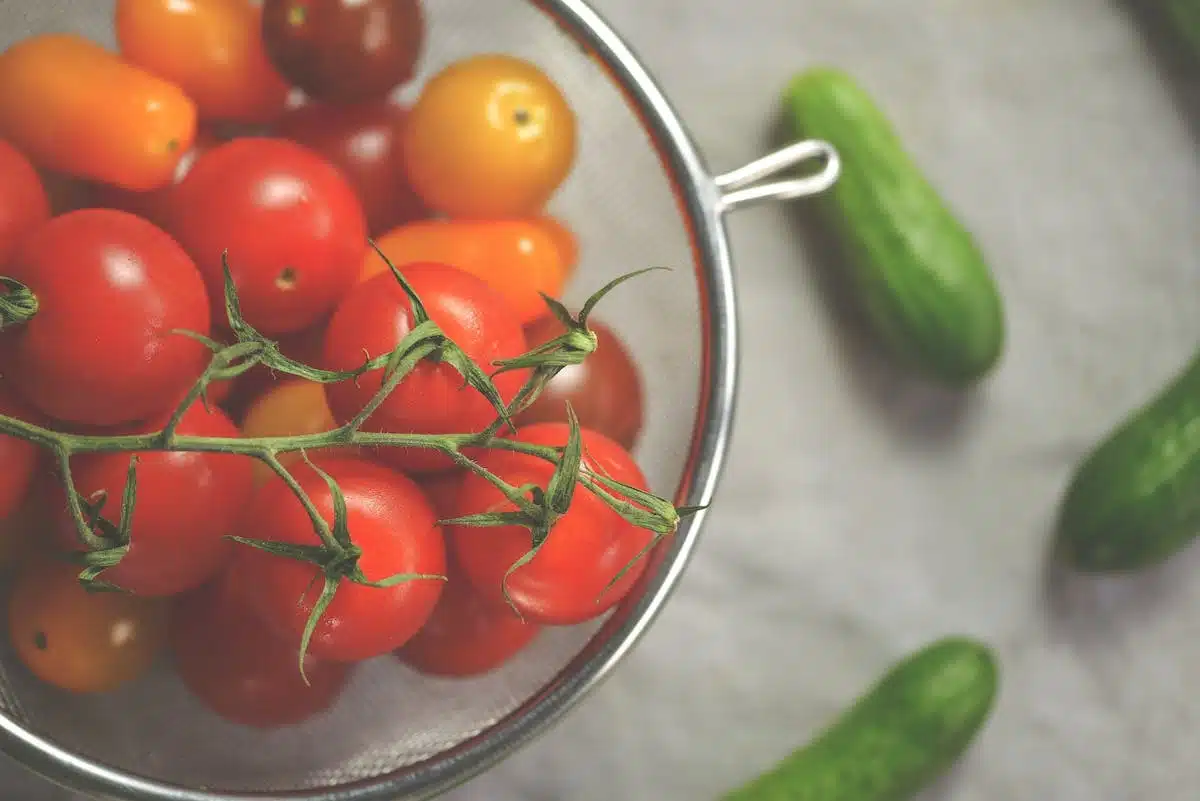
pixel 742 187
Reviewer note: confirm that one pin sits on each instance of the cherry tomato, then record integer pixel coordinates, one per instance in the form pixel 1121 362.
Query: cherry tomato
pixel 363 141
pixel 76 108
pixel 212 49
pixel 304 346
pixel 293 407
pixel 432 399
pixel 605 391
pixel 23 532
pixel 154 205
pixel 186 505
pixel 24 204
pixel 85 642
pixel 518 258
pixel 442 490
pixel 564 238
pixel 345 51
pixel 388 517
pixel 18 457
pixel 466 636
pixel 565 582
pixel 239 669
pixel 290 221
pixel 490 136
pixel 101 349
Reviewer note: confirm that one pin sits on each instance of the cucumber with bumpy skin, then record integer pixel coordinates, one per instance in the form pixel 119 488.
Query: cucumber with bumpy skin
pixel 1134 500
pixel 922 278
pixel 898 737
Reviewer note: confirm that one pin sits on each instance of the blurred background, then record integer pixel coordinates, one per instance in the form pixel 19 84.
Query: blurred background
pixel 863 513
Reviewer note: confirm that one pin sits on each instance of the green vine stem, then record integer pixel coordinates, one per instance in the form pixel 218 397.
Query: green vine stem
pixel 18 304
pixel 336 556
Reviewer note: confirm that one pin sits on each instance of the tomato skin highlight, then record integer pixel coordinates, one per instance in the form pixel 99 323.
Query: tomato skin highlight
pixel 605 391
pixel 239 669
pixel 518 258
pixel 565 582
pixel 100 351
pixel 432 399
pixel 24 202
pixel 345 51
pixel 389 518
pixel 466 636
pixel 490 136
pixel 187 502
pixel 363 141
pixel 211 49
pixel 291 223
pixel 81 641
pixel 76 108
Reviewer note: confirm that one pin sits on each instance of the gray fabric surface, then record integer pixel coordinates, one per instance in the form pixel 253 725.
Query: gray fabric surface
pixel 862 513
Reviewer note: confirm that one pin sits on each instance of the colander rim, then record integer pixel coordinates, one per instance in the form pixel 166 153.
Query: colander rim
pixel 703 210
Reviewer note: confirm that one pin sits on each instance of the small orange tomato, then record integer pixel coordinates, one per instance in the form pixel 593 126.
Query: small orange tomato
pixel 518 258
pixel 564 237
pixel 293 407
pixel 78 640
pixel 76 108
pixel 212 49
pixel 490 136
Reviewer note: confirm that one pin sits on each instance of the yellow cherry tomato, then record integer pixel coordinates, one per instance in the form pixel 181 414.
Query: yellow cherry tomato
pixel 85 642
pixel 291 408
pixel 490 136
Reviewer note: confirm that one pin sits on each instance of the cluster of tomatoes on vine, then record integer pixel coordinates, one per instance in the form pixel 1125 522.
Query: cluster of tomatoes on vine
pixel 133 183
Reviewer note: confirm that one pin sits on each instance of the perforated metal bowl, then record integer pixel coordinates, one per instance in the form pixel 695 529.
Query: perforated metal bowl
pixel 640 195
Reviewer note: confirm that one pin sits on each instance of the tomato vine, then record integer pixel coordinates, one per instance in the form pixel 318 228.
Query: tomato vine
pixel 536 508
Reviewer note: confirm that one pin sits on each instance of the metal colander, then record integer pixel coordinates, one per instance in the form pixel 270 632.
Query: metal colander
pixel 640 195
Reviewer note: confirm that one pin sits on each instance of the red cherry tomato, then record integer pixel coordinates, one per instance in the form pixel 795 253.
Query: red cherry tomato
pixel 587 548
pixel 239 669
pixel 24 204
pixel 101 349
pixel 442 490
pixel 605 391
pixel 18 457
pixel 377 315
pixel 364 143
pixel 466 636
pixel 186 505
pixel 344 51
pixel 389 518
pixel 290 221
pixel 212 49
pixel 155 204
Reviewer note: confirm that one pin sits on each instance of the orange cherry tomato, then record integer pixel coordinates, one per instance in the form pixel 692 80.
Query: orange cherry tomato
pixel 518 258
pixel 293 407
pixel 490 136
pixel 85 642
pixel 564 237
pixel 76 108
pixel 212 49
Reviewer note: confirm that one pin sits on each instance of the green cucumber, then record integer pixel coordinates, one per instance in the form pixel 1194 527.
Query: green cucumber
pixel 1184 17
pixel 923 281
pixel 898 737
pixel 1134 500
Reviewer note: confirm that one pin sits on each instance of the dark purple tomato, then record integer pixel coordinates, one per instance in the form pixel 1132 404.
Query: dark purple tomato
pixel 363 141
pixel 344 51
pixel 605 391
